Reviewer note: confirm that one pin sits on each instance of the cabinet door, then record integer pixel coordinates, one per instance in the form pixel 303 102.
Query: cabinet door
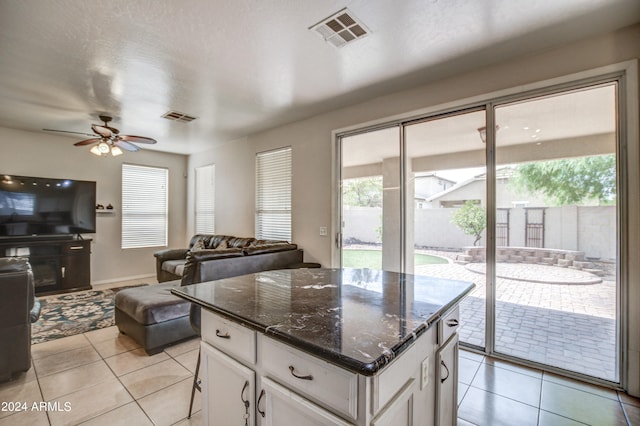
pixel 75 268
pixel 399 412
pixel 228 389
pixel 280 406
pixel 447 382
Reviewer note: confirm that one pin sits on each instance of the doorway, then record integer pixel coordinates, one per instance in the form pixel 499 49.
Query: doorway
pixel 557 283
pixel 528 211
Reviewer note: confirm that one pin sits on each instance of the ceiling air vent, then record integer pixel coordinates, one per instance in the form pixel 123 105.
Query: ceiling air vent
pixel 178 116
pixel 340 28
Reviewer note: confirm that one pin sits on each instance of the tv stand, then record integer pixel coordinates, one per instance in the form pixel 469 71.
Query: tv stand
pixel 59 265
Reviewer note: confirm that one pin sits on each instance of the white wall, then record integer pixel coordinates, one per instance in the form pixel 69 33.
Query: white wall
pixel 234 188
pixel 40 154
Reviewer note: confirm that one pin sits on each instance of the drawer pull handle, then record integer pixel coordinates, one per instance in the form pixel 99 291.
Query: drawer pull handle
pixel 223 336
pixel 262 413
pixel 453 323
pixel 246 403
pixel 76 248
pixel 293 373
pixel 446 368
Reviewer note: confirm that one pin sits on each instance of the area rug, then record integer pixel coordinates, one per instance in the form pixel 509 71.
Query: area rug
pixel 74 313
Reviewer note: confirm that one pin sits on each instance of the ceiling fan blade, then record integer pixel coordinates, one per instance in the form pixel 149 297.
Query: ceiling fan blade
pixel 87 142
pixel 67 131
pixel 102 130
pixel 126 146
pixel 137 139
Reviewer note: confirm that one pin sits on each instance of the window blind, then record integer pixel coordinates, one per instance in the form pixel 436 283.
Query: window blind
pixel 205 199
pixel 144 206
pixel 273 194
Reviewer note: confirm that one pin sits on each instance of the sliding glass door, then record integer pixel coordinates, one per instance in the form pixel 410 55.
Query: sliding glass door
pixel 556 274
pixel 446 181
pixel 518 195
pixel 370 200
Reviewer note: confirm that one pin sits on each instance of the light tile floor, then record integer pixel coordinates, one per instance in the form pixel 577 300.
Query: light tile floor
pixel 104 378
pixel 493 393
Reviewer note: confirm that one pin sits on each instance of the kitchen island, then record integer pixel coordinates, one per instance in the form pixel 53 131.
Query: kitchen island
pixel 329 346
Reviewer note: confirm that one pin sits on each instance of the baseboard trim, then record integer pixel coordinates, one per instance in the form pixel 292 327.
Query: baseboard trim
pixel 121 279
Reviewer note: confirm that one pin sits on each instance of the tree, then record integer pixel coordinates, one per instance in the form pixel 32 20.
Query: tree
pixel 472 219
pixel 362 192
pixel 570 181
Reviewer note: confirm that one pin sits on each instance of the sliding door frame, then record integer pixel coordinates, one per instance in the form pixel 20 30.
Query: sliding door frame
pixel 622 238
pixel 625 75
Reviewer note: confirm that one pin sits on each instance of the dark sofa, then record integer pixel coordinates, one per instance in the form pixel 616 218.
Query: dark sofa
pixel 170 263
pixel 155 318
pixel 18 309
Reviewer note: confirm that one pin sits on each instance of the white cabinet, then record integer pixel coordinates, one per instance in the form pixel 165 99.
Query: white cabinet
pixel 448 325
pixel 228 389
pixel 328 384
pixel 282 407
pixel 231 338
pixel 248 376
pixel 400 411
pixel 447 381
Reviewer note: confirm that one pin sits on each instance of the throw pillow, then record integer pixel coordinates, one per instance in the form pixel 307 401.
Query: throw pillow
pixel 223 245
pixel 198 245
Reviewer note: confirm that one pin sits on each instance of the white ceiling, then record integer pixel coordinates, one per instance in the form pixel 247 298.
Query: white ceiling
pixel 247 65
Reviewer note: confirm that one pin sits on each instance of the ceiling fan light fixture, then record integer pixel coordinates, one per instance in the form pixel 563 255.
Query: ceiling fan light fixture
pixel 104 148
pixel 95 150
pixel 115 151
pixel 108 140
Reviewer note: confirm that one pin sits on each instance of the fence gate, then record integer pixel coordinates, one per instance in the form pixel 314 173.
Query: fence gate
pixel 534 218
pixel 502 227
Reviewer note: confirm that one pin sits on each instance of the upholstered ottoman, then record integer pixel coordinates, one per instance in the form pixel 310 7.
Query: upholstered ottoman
pixel 152 316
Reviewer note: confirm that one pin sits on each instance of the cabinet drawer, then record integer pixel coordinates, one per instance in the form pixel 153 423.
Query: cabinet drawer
pixel 448 325
pixel 229 337
pixel 76 247
pixel 283 407
pixel 332 386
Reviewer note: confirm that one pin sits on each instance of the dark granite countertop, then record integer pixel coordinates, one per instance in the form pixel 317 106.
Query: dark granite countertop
pixel 359 319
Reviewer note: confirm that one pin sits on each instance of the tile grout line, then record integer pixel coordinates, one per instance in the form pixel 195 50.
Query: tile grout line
pixel 170 357
pixel 35 371
pixel 121 384
pixel 540 397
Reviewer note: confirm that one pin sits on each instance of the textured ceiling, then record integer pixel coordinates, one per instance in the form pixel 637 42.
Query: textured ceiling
pixel 247 65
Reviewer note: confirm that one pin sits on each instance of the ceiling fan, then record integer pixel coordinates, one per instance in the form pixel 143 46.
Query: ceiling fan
pixel 108 140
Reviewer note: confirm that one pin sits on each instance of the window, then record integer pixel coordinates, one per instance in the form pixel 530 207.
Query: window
pixel 205 199
pixel 144 206
pixel 273 194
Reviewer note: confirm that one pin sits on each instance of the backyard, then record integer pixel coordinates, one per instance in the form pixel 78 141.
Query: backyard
pixel 568 322
pixel 372 258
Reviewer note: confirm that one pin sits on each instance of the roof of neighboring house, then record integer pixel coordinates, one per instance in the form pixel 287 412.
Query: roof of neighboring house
pixel 505 172
pixel 435 175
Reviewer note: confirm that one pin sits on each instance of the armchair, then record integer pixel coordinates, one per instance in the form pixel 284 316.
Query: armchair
pixel 18 309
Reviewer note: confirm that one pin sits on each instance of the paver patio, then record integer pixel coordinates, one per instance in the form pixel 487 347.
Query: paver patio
pixel 569 324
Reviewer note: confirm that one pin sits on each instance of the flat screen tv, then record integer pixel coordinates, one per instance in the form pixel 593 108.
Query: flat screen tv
pixel 36 206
